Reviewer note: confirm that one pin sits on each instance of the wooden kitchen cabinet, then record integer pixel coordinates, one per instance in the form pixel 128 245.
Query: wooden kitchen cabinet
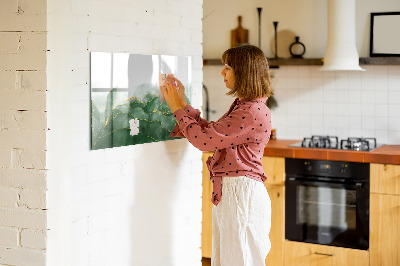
pixel 274 168
pixel 206 225
pixel 385 178
pixel 384 236
pixel 277 233
pixel 384 215
pixel 305 254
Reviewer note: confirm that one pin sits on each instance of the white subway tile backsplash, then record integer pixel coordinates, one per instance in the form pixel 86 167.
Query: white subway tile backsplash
pixel 394 110
pixel 291 71
pixel 317 120
pixel 329 109
pixel 329 123
pixel 328 74
pixel 355 96
pixel 355 132
pixel 315 71
pixel 342 109
pixel 381 84
pixel 394 82
pixel 342 81
pixel 394 123
pixel 367 96
pixel 329 93
pixel 394 137
pixel 345 102
pixel 292 83
pixel 382 123
pixel 369 70
pixel 293 120
pixel 316 82
pixel 317 131
pixel 380 71
pixel 355 109
pixel 367 110
pixel 342 133
pixel 394 97
pixel 342 96
pixel 382 136
pixel 354 122
pixel 304 82
pixel 394 71
pixel 354 80
pixel 304 72
pixel 381 97
pixel 342 122
pixel 381 110
pixel 367 133
pixel 368 122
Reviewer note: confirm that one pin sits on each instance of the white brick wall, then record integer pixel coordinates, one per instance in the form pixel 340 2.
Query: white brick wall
pixel 136 205
pixel 23 132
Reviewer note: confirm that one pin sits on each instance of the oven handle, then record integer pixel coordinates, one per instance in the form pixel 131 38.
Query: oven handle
pixel 357 185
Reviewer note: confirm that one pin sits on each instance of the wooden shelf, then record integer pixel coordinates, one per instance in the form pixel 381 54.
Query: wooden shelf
pixel 380 61
pixel 274 63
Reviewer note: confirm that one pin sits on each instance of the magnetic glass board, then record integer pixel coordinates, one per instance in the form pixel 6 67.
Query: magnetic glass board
pixel 127 106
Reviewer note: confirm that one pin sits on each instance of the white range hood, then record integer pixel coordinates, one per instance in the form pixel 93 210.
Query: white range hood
pixel 341 51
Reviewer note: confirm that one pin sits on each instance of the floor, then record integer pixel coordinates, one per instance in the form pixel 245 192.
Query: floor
pixel 206 261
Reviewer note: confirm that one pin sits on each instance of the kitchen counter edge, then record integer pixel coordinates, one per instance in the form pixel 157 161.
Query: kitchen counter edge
pixel 385 154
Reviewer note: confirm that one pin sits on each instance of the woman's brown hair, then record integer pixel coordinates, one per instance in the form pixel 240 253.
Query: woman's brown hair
pixel 250 66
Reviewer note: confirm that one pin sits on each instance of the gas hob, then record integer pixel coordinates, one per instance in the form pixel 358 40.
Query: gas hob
pixel 332 142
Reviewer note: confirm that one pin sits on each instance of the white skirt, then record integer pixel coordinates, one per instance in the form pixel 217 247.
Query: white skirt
pixel 241 223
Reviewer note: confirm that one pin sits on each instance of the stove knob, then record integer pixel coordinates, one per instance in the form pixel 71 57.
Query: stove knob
pixel 343 168
pixel 308 166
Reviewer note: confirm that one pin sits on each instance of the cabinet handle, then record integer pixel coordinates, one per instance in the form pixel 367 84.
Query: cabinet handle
pixel 324 254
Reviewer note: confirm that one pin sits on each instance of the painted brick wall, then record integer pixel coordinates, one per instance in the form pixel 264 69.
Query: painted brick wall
pixel 23 128
pixel 136 205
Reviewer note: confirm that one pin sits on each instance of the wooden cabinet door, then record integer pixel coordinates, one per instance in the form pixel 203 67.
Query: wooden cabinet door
pixel 384 236
pixel 277 233
pixel 274 168
pixel 385 178
pixel 304 254
pixel 206 226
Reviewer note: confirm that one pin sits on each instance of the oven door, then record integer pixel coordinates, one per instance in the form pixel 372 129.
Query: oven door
pixel 327 213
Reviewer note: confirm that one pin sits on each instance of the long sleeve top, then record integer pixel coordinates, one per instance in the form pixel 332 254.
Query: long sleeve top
pixel 238 139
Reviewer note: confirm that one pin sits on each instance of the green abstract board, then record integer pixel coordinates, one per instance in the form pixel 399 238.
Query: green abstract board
pixel 127 106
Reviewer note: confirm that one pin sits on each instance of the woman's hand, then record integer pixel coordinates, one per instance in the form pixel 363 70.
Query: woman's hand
pixel 181 92
pixel 172 95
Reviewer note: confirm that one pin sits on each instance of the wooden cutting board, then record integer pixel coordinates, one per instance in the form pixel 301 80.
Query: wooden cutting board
pixel 239 35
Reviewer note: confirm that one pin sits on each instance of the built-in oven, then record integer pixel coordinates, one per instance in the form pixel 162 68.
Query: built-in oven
pixel 327 202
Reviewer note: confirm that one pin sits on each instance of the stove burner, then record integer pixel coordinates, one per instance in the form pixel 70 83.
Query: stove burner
pixel 358 144
pixel 328 142
pixel 332 142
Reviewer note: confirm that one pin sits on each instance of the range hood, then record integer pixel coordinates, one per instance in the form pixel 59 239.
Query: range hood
pixel 341 51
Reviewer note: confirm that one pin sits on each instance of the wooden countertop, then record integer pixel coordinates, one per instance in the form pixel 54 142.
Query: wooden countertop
pixel 389 154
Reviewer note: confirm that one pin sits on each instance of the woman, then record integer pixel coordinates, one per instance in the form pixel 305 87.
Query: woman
pixel 242 208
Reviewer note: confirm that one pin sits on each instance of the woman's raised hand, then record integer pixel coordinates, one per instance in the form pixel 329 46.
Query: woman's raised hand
pixel 173 91
pixel 181 92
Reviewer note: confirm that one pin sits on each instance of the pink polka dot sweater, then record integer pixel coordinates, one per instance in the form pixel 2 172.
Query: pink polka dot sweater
pixel 238 139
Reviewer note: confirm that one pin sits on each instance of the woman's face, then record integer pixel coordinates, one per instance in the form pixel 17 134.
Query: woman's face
pixel 229 76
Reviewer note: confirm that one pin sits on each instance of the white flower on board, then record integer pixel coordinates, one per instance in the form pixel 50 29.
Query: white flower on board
pixel 134 125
